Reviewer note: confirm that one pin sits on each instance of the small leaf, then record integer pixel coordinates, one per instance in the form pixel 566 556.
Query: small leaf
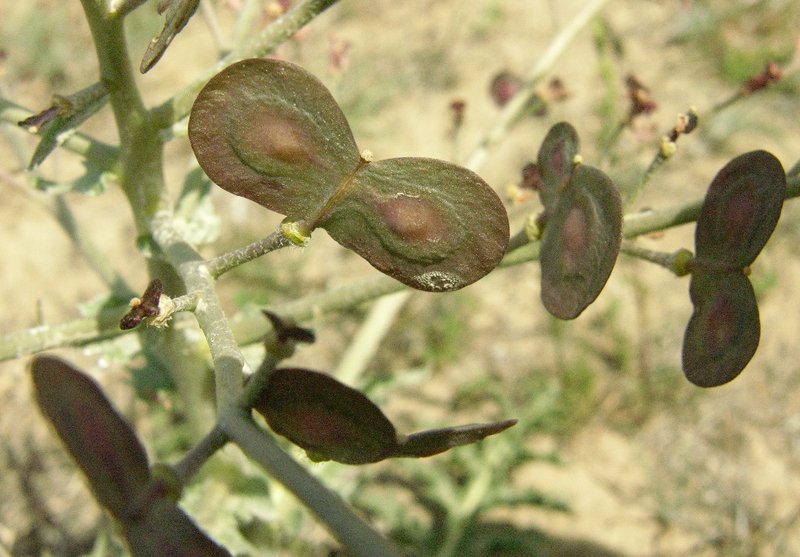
pixel 58 122
pixel 430 224
pixel 103 445
pixel 271 132
pixel 178 13
pixel 166 530
pixel 580 243
pixel 556 161
pixel 435 441
pixel 724 330
pixel 328 419
pixel 740 210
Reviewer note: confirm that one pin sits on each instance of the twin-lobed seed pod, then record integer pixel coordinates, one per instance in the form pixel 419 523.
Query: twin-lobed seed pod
pixel 582 225
pixel 270 131
pixel 739 213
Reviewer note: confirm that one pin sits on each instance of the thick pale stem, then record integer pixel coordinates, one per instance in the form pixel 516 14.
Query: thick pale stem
pixel 343 523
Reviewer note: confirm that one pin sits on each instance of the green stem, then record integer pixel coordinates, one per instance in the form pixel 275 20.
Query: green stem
pixel 359 539
pixel 675 262
pixel 516 106
pixel 140 170
pixel 192 461
pixel 228 360
pixel 227 261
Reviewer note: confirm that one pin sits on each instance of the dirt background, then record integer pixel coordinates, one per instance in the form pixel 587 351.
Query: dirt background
pixel 650 465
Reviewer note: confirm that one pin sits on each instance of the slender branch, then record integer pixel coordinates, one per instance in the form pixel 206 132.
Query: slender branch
pixel 192 461
pixel 265 42
pixel 90 251
pixel 366 341
pixel 344 523
pixel 516 106
pixel 141 166
pixel 675 262
pixel 227 261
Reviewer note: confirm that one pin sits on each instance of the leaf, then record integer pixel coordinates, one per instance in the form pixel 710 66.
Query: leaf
pixel 724 330
pixel 166 530
pixel 555 161
pixel 178 13
pixel 580 243
pixel 328 419
pixel 740 211
pixel 435 441
pixel 58 122
pixel 430 224
pixel 103 445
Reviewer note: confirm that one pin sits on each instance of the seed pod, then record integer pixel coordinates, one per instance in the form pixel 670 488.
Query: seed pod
pixel 740 211
pixel 556 161
pixel 724 330
pixel 269 131
pixel 167 530
pixel 100 441
pixel 580 243
pixel 328 419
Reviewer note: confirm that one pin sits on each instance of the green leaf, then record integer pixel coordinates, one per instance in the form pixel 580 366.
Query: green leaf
pixel 430 224
pixel 166 530
pixel 724 330
pixel 58 122
pixel 580 243
pixel 178 13
pixel 103 445
pixel 269 131
pixel 328 419
pixel 435 441
pixel 555 161
pixel 740 211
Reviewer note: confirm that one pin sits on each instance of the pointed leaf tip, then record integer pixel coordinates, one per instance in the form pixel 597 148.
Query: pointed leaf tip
pixel 100 441
pixel 434 441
